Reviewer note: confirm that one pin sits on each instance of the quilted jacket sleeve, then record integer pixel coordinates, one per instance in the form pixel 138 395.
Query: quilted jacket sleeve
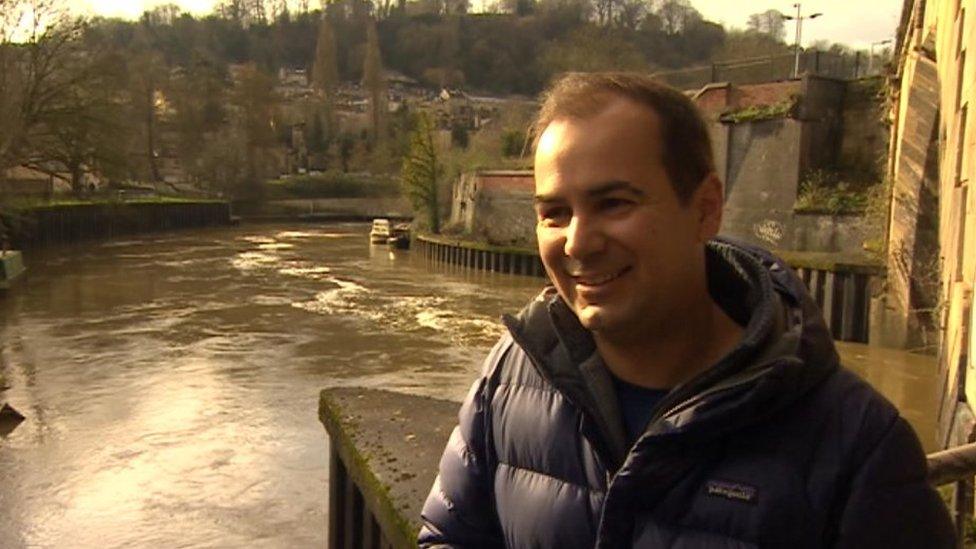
pixel 459 512
pixel 890 504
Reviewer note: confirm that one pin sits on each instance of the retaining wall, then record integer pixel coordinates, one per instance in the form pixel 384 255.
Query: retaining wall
pixel 60 224
pixel 326 209
pixel 476 255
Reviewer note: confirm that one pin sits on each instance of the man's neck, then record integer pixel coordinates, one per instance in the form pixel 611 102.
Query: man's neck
pixel 674 351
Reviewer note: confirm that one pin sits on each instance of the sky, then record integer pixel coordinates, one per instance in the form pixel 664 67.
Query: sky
pixel 855 23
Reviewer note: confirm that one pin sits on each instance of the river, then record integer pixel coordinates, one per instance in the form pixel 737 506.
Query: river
pixel 170 382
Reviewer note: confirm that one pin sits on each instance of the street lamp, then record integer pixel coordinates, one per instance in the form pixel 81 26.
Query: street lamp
pixel 871 58
pixel 799 34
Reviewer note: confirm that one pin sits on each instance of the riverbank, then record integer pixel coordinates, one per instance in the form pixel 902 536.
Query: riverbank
pixel 324 209
pixel 33 226
pixel 478 255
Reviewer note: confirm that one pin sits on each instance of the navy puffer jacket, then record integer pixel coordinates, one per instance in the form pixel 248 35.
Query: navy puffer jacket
pixel 774 446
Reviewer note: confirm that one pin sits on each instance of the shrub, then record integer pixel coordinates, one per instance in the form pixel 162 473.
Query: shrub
pixel 822 191
pixel 755 113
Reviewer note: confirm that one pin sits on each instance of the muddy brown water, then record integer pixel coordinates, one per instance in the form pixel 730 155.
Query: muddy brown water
pixel 170 382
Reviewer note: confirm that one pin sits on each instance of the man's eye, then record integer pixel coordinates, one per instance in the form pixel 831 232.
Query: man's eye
pixel 614 203
pixel 554 215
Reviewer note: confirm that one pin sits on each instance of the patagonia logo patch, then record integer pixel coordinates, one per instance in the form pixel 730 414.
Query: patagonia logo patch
pixel 732 490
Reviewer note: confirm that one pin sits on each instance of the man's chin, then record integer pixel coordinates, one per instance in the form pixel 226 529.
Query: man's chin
pixel 592 317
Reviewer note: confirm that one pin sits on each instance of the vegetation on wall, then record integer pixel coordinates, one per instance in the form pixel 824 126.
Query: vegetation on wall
pixel 756 113
pixel 824 191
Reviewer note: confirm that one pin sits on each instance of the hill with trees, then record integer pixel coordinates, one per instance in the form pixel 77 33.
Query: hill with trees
pixel 256 90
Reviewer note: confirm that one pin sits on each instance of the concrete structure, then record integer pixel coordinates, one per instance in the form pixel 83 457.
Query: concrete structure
pixel 384 450
pixel 496 207
pixel 796 127
pixel 934 162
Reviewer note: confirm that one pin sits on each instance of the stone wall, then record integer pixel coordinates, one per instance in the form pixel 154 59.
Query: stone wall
pixel 864 141
pixel 821 113
pixel 495 207
pixel 763 162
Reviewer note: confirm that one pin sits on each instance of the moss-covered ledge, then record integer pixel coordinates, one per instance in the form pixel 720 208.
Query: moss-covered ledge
pixel 390 445
pixel 833 262
pixel 446 240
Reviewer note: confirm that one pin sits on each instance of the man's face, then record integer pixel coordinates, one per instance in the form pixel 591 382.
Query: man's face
pixel 613 236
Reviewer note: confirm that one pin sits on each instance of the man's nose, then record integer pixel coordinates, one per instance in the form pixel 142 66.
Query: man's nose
pixel 584 237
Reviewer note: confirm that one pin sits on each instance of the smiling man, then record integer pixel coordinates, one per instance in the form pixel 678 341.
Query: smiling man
pixel 671 389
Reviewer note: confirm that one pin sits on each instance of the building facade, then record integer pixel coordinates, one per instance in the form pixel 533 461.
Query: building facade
pixel 933 209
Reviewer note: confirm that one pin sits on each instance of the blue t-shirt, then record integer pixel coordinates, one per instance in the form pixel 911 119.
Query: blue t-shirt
pixel 636 405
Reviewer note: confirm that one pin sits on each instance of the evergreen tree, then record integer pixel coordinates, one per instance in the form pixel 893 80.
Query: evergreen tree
pixel 420 173
pixel 375 84
pixel 325 71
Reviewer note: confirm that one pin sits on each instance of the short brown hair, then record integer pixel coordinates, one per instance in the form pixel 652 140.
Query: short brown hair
pixel 686 145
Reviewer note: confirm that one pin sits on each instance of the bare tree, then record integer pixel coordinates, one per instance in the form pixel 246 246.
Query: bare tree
pixel 676 15
pixel 769 22
pixel 631 13
pixel 163 14
pixel 39 54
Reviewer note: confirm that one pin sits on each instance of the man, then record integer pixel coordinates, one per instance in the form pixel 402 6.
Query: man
pixel 672 389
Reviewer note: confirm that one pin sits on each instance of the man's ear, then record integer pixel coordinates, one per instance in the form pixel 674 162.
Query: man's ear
pixel 708 201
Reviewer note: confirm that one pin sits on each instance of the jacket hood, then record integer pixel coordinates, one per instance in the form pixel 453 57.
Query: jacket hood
pixel 786 350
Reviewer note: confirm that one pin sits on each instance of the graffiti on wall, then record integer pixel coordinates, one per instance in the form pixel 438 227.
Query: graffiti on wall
pixel 769 231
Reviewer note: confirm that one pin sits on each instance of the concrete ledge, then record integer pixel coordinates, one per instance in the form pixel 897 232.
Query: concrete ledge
pixel 11 268
pixel 447 240
pixel 385 451
pixel 834 262
pixel 480 256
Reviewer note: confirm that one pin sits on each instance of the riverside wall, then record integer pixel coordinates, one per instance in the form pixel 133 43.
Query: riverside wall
pixel 48 225
pixel 327 209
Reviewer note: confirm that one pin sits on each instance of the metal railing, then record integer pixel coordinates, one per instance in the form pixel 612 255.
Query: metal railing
pixel 772 68
pixel 844 297
pixel 956 466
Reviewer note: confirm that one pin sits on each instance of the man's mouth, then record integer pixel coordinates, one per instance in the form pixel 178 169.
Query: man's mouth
pixel 598 279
